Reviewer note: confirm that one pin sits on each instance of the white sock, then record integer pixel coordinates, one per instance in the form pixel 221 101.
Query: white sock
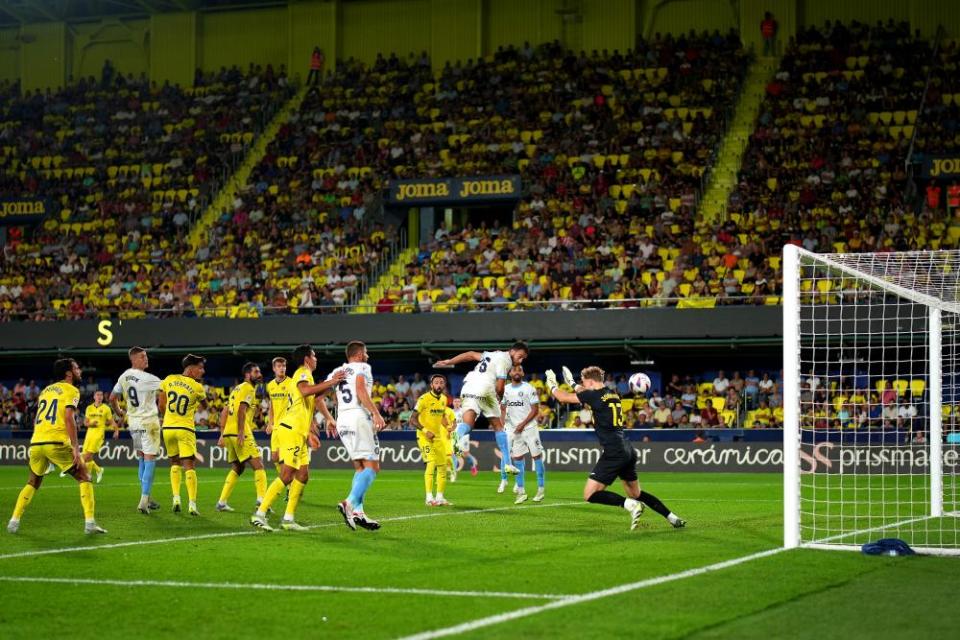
pixel 261 514
pixel 672 517
pixel 439 496
pixel 630 504
pixel 90 521
pixel 287 518
pixel 429 496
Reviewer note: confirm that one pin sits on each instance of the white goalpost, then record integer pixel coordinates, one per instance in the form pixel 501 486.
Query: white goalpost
pixel 871 388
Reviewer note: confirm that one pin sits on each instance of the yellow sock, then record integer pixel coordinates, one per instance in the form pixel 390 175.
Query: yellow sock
pixel 228 486
pixel 191 485
pixel 272 492
pixel 86 499
pixel 260 482
pixel 91 468
pixel 296 489
pixel 428 476
pixel 96 468
pixel 441 479
pixel 26 495
pixel 175 480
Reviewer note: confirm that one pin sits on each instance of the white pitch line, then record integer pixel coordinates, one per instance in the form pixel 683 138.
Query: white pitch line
pixel 254 532
pixel 282 587
pixel 488 621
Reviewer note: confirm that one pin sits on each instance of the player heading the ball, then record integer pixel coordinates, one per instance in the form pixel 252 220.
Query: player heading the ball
pixel 482 393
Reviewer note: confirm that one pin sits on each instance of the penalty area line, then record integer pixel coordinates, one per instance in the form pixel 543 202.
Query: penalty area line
pixel 279 587
pixel 489 621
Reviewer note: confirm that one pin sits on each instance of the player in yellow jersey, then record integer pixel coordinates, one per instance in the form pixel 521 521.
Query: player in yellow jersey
pixel 54 441
pixel 433 424
pixel 178 399
pixel 236 428
pixel 97 418
pixel 280 390
pixel 297 429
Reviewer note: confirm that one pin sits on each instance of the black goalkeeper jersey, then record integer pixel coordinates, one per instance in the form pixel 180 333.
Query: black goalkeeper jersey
pixel 607 419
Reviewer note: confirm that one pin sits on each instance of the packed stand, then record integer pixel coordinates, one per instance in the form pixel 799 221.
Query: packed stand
pixel 612 148
pixel 133 164
pixel 305 218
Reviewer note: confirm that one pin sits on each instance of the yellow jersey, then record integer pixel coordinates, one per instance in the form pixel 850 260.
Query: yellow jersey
pixel 51 423
pixel 183 396
pixel 281 397
pixel 243 393
pixel 97 417
pixel 430 410
pixel 299 414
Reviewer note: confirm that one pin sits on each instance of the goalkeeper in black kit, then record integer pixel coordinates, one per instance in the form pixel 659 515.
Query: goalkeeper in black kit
pixel 619 458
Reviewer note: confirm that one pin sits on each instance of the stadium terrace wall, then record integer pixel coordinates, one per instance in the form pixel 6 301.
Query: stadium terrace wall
pixel 629 325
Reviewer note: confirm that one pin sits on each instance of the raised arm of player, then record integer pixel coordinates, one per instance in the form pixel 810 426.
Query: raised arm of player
pixel 466 356
pixel 565 397
pixel 321 387
pixel 367 403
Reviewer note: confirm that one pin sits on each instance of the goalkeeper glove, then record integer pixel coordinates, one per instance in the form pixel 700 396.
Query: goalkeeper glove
pixel 551 380
pixel 568 377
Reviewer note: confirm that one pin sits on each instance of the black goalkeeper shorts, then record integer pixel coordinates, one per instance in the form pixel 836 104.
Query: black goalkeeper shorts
pixel 611 466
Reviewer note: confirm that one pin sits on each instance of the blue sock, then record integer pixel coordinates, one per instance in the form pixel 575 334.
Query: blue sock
pixel 501 437
pixel 140 462
pixel 361 482
pixel 471 460
pixel 146 481
pixel 521 465
pixel 541 472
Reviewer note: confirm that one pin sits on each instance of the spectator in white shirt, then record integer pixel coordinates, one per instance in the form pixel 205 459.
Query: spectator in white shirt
pixel 720 383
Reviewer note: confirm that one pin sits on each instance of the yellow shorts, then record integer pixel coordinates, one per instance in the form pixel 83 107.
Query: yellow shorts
pixel 93 440
pixel 247 450
pixel 43 455
pixel 294 451
pixel 180 442
pixel 275 438
pixel 436 451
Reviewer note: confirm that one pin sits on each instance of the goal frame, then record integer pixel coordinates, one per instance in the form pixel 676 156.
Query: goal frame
pixel 792 438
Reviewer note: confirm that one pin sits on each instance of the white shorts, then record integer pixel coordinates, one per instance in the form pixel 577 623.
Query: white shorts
pixel 528 441
pixel 146 436
pixel 481 399
pixel 356 431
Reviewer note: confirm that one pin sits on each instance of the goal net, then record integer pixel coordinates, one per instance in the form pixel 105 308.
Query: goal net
pixel 871 388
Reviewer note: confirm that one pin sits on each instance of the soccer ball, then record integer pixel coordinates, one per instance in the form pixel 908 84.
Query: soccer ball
pixel 639 383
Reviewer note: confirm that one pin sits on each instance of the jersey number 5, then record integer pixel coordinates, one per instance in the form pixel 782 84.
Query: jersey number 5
pixel 482 367
pixel 345 393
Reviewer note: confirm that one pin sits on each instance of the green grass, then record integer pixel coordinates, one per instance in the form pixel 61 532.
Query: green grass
pixel 562 547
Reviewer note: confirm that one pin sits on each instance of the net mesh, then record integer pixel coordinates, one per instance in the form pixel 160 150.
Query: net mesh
pixel 865 397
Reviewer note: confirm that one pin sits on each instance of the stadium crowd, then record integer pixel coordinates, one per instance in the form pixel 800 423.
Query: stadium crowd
pixel 612 147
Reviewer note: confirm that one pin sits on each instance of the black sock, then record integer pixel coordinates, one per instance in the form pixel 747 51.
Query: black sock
pixel 654 503
pixel 607 497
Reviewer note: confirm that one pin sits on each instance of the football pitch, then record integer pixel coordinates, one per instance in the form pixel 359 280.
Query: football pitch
pixel 482 567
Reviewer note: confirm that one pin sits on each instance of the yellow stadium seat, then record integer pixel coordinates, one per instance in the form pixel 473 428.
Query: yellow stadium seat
pixel 918 386
pixel 901 386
